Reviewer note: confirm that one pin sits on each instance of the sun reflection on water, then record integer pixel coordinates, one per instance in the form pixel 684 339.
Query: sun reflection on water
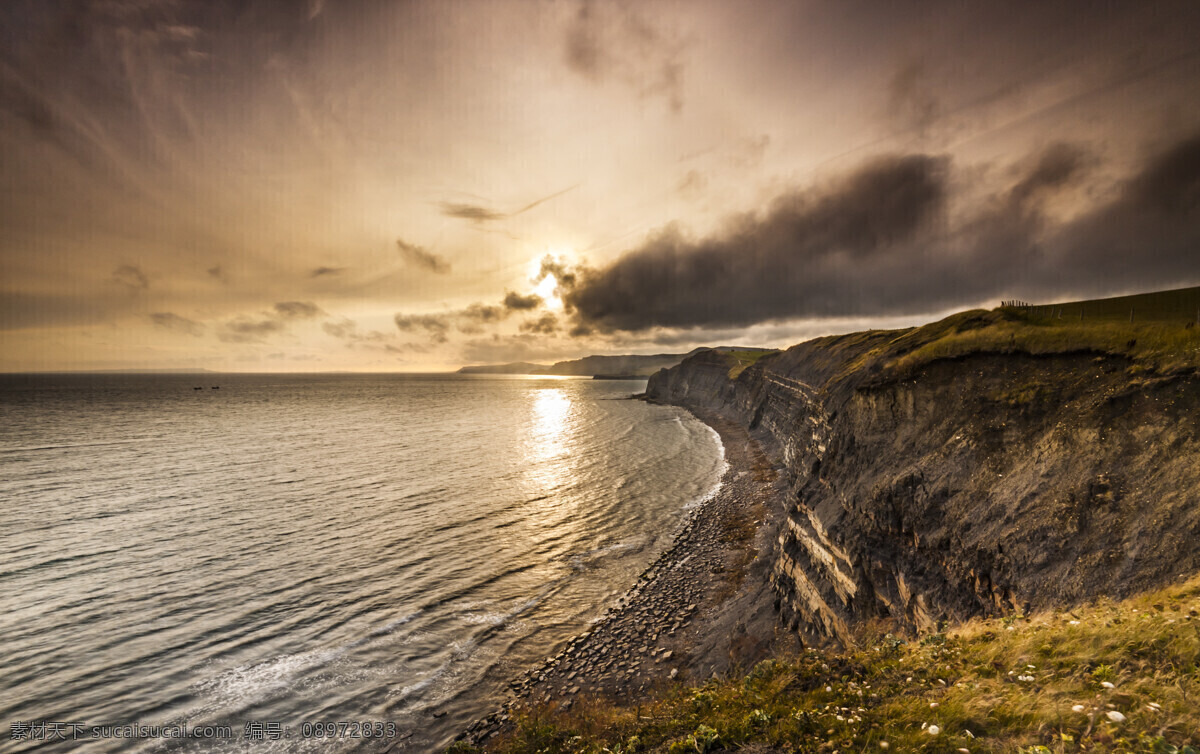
pixel 551 415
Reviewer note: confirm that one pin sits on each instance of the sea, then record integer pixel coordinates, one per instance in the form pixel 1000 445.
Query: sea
pixel 342 562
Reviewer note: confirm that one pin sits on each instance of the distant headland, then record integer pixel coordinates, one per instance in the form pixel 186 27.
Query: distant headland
pixel 628 366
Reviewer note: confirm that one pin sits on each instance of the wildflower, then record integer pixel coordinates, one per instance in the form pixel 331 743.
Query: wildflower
pixel 829 688
pixel 934 730
pixel 933 705
pixel 1115 716
pixel 1077 708
pixel 884 744
pixel 1073 622
pixel 1107 684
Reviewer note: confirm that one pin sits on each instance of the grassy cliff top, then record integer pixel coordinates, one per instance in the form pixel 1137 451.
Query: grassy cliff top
pixel 1155 332
pixel 1108 677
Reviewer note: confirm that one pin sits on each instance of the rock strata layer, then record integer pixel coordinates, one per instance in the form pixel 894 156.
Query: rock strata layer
pixel 981 485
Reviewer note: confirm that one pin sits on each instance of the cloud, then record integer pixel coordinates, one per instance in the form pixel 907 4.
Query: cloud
pixel 470 320
pixel 903 235
pixel 517 302
pixel 471 212
pixel 323 271
pixel 1054 168
pixel 911 101
pixel 298 309
pixel 1149 236
pixel 480 215
pixel 563 273
pixel 420 257
pixel 606 41
pixel 547 324
pixel 776 266
pixel 249 331
pixel 130 277
pixel 176 323
pixel 346 328
pixel 436 325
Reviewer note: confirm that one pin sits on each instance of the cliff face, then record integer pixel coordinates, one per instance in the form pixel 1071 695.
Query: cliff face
pixel 970 486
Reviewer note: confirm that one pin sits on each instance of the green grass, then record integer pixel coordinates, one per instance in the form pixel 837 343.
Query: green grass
pixel 1154 346
pixel 741 360
pixel 1178 307
pixel 1015 684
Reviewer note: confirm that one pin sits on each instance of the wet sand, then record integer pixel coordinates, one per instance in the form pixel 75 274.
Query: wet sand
pixel 703 608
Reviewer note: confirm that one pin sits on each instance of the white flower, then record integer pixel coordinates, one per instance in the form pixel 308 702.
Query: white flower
pixel 884 744
pixel 1107 685
pixel 933 705
pixel 934 730
pixel 1115 716
pixel 1073 622
pixel 1077 708
pixel 829 688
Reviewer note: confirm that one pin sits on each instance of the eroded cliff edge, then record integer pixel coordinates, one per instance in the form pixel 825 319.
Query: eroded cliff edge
pixel 929 483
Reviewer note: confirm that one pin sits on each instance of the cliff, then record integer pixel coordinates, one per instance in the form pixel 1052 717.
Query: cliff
pixel 987 463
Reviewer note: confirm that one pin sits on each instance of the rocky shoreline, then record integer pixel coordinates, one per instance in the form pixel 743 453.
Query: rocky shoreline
pixel 703 607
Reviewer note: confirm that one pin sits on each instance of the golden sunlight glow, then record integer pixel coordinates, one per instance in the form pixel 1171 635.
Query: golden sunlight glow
pixel 545 289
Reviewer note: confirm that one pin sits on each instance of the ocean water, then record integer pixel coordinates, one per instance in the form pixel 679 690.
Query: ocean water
pixel 291 551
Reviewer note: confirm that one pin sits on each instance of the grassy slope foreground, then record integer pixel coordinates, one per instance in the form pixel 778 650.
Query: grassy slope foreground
pixel 1106 677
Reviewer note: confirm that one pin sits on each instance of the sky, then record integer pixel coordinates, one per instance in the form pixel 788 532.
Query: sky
pixel 328 185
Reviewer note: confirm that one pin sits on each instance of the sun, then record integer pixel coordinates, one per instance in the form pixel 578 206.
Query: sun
pixel 546 289
pixel 545 285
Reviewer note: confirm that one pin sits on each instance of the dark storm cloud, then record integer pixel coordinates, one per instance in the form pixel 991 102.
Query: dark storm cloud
pixel 298 309
pixel 176 323
pixel 420 257
pixel 1150 235
pixel 882 242
pixel 517 302
pixel 1170 184
pixel 1054 168
pixel 762 268
pixel 130 276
